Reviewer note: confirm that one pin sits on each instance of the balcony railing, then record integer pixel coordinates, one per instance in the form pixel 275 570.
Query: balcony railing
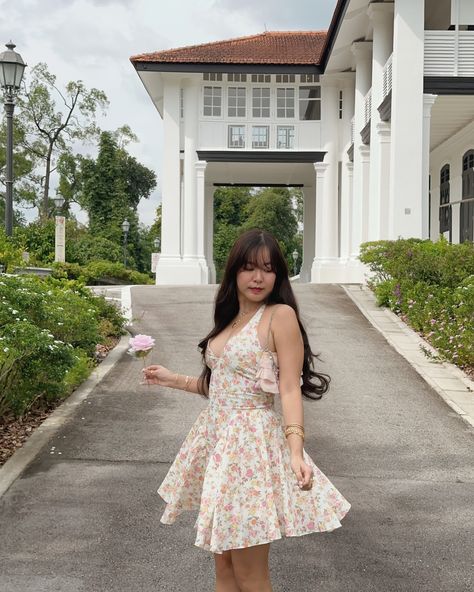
pixel 387 77
pixel 449 53
pixel 367 107
pixel 352 129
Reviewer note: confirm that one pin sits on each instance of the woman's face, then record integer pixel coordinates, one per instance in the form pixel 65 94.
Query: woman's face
pixel 255 281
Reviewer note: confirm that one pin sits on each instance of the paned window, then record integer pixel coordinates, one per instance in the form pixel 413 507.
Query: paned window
pixel 212 76
pixel 285 78
pixel 310 102
pixel 212 101
pixel 285 102
pixel 236 77
pixel 261 77
pixel 260 102
pixel 260 136
pixel 309 78
pixel 444 197
pixel 236 101
pixel 285 137
pixel 341 112
pixel 236 136
pixel 181 102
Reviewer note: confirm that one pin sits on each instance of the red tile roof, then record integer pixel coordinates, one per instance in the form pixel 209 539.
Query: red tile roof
pixel 271 47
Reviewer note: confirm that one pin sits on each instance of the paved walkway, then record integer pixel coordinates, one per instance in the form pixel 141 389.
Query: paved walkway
pixel 84 516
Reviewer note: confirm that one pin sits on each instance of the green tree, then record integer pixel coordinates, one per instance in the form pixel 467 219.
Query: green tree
pixel 48 130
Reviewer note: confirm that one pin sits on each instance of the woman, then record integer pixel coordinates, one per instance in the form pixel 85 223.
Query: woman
pixel 242 464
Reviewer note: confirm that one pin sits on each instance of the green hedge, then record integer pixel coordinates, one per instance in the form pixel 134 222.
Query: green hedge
pixel 98 272
pixel 49 329
pixel 431 285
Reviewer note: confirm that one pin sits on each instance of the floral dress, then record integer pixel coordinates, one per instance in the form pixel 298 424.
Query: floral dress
pixel 234 465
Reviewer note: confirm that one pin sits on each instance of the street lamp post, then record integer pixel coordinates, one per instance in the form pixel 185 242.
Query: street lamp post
pixel 12 67
pixel 125 229
pixel 295 259
pixel 60 231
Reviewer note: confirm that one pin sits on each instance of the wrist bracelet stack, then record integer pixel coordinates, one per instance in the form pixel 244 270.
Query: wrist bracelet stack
pixel 294 428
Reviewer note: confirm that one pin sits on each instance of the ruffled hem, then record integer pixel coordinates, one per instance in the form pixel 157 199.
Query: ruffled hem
pixel 235 470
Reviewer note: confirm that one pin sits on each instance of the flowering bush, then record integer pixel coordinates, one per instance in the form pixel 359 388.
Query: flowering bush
pixel 96 272
pixel 48 334
pixel 431 286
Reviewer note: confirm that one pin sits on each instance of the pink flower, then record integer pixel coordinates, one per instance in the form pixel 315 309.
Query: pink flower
pixel 141 342
pixel 140 345
pixel 249 473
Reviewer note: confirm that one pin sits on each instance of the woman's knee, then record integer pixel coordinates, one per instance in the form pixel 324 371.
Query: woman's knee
pixel 223 564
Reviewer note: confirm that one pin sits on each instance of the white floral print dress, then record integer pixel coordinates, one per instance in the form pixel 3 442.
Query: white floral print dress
pixel 234 465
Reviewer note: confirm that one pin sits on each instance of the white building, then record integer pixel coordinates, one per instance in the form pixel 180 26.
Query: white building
pixel 374 119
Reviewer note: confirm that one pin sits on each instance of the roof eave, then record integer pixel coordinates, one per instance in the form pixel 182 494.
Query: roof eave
pixel 198 67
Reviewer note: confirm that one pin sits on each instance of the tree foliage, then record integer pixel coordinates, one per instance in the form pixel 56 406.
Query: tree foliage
pixel 49 121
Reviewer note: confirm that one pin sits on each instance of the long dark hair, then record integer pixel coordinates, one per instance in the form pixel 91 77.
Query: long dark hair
pixel 247 249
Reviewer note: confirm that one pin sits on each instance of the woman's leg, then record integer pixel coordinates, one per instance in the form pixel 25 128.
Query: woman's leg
pixel 225 580
pixel 251 569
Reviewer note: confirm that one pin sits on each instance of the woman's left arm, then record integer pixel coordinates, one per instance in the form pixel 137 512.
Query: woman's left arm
pixel 290 350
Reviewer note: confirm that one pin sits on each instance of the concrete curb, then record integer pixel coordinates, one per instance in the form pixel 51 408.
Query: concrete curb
pixel 450 382
pixel 22 457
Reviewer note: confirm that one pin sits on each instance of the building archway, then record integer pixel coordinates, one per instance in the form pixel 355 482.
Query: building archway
pixel 466 225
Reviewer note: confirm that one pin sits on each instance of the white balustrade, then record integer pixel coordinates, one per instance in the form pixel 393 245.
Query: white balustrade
pixel 387 77
pixel 352 130
pixel 367 107
pixel 449 53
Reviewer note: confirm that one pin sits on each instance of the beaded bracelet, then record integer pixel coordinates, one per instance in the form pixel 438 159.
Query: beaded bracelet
pixel 294 430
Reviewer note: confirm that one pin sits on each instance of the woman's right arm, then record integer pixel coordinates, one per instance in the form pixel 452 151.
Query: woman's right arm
pixel 161 376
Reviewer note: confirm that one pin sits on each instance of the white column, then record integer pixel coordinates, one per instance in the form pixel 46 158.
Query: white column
pixel 406 156
pixel 209 226
pixel 200 166
pixel 309 236
pixel 364 154
pixel 428 102
pixel 383 181
pixel 167 271
pixel 362 51
pixel 346 209
pixel 326 261
pixel 381 15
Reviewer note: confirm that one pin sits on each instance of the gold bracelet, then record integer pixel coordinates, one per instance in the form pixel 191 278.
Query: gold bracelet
pixel 294 425
pixel 294 430
pixel 186 383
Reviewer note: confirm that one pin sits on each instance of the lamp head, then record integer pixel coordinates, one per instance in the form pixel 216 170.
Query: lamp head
pixel 12 67
pixel 58 201
pixel 125 226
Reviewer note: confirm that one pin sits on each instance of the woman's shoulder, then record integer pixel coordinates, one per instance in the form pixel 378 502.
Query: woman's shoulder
pixel 282 312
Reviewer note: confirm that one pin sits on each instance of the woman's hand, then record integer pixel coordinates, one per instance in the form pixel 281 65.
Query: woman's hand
pixel 303 472
pixel 159 375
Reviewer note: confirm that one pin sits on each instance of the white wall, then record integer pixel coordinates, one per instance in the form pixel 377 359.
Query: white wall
pixel 449 152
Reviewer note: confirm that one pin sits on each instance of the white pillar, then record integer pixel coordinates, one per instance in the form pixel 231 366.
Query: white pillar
pixel 406 160
pixel 383 181
pixel 309 236
pixel 381 15
pixel 209 227
pixel 346 209
pixel 364 153
pixel 167 271
pixel 191 266
pixel 200 166
pixel 362 51
pixel 325 266
pixel 428 102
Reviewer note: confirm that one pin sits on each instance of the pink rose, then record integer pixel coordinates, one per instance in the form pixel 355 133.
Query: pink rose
pixel 141 345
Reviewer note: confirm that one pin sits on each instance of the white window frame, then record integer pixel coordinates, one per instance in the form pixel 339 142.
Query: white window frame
pixel 212 76
pixel 236 144
pixel 213 104
pixel 260 99
pixel 257 144
pixel 236 77
pixel 261 78
pixel 289 143
pixel 240 94
pixel 288 91
pixel 285 79
pixel 316 100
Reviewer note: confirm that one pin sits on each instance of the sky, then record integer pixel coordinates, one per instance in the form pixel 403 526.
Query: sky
pixel 92 41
